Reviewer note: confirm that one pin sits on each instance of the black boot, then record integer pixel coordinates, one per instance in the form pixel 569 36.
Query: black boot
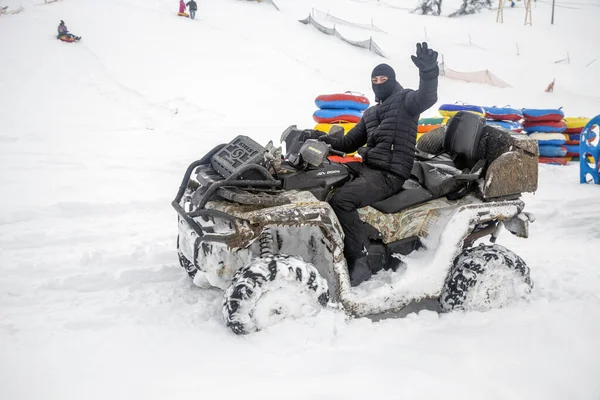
pixel 359 270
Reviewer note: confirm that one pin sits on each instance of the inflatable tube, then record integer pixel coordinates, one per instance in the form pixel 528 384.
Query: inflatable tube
pixel 544 127
pixel 554 160
pixel 69 39
pixel 449 110
pixel 508 125
pixel 183 14
pixel 560 160
pixel 572 150
pixel 549 138
pixel 574 138
pixel 433 121
pixel 573 130
pixel 574 123
pixel 552 151
pixel 332 116
pixel 533 114
pixel 503 113
pixel 341 101
pixel 344 160
pixel 327 127
pixel 427 128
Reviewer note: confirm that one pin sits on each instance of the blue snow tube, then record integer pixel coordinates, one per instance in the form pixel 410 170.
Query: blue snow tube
pixel 503 113
pixel 508 125
pixel 552 151
pixel 330 116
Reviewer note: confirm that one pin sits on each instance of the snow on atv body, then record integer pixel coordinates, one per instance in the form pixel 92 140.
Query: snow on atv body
pixel 245 203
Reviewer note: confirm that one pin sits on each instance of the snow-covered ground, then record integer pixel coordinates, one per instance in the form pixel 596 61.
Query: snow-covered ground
pixel 94 139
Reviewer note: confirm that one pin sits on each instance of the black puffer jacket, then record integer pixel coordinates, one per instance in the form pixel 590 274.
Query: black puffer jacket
pixel 389 129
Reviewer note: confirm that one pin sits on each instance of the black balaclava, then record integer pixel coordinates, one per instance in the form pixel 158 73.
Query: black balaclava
pixel 384 90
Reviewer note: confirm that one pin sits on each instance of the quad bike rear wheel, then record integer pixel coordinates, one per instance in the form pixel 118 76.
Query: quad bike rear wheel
pixel 271 289
pixel 485 277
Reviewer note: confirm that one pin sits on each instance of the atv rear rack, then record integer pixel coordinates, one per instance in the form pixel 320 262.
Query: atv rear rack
pixel 232 181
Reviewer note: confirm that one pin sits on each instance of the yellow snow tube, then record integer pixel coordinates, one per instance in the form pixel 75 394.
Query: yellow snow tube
pixel 574 123
pixel 326 127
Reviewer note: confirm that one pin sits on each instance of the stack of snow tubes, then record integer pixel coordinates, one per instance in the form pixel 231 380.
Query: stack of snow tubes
pixel 504 117
pixel 446 111
pixel 547 127
pixel 343 109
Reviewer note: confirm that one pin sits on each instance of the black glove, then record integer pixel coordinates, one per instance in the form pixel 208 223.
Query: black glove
pixel 426 58
pixel 329 140
pixel 313 133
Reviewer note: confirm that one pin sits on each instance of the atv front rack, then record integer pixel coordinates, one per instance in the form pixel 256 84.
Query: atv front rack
pixel 232 181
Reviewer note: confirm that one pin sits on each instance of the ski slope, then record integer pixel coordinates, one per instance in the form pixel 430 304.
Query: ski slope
pixel 95 137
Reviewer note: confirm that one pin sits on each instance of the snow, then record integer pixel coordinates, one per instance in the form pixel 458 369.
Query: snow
pixel 95 138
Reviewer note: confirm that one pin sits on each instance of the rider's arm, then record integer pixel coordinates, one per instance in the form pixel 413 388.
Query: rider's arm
pixel 354 139
pixel 417 101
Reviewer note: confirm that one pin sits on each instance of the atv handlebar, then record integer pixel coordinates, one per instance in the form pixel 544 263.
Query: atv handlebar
pixel 336 153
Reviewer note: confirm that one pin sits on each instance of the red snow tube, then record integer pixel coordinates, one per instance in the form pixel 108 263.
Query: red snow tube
pixel 532 114
pixel 342 100
pixel 554 160
pixel 545 127
pixel 344 160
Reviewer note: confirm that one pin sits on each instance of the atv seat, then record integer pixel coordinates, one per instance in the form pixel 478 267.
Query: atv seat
pixel 412 193
pixel 450 173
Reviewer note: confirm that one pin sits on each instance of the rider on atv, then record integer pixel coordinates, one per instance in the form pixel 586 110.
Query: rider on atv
pixel 389 131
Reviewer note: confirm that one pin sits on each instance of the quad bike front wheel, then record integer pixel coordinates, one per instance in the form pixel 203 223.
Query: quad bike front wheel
pixel 485 277
pixel 271 289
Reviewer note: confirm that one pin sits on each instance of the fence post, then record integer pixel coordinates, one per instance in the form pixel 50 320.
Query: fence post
pixel 518 49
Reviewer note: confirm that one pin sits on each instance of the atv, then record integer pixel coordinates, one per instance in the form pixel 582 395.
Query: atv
pixel 258 226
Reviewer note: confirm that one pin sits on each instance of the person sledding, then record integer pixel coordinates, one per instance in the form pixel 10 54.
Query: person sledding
pixel 64 34
pixel 182 12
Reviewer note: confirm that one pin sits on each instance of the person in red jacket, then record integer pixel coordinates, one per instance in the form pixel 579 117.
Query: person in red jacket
pixel 181 7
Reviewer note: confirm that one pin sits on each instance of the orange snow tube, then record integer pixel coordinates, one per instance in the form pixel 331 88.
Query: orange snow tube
pixel 426 128
pixel 69 39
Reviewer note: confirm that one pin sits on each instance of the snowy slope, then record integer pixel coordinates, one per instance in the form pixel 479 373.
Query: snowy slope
pixel 94 139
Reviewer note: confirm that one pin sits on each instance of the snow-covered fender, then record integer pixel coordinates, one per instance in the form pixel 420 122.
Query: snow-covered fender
pixel 443 243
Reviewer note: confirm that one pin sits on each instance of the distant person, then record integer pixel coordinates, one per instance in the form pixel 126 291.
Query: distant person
pixel 62 28
pixel 193 7
pixel 63 32
pixel 181 7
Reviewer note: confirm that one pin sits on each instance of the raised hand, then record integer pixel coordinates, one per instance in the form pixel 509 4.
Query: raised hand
pixel 426 58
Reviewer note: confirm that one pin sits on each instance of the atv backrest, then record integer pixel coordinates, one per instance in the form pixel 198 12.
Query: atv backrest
pixel 463 138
